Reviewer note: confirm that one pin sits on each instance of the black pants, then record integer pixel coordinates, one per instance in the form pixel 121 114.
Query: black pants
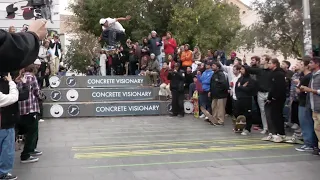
pixel 274 114
pixel 40 116
pixel 256 114
pixel 30 123
pixel 43 76
pixel 112 36
pixel 229 105
pixel 243 106
pixel 294 112
pixel 177 103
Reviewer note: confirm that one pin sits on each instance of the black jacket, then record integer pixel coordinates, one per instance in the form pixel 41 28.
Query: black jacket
pixel 245 91
pixel 219 85
pixel 177 80
pixel 10 114
pixel 17 50
pixel 262 78
pixel 277 81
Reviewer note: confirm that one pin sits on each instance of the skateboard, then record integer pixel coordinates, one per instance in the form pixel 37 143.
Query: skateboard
pixel 205 112
pixel 240 124
pixel 195 102
pixel 288 139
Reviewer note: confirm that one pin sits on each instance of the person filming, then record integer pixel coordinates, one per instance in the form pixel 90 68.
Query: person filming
pixel 18 50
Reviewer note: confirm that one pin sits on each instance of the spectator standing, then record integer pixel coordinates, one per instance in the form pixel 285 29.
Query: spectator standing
pixel 233 56
pixel 305 113
pixel 29 110
pixel 171 62
pixel 7 132
pixel 204 78
pixel 196 55
pixel 186 57
pixel 103 63
pixel 56 49
pixel 313 97
pixel 275 101
pixel 170 45
pixel 176 78
pixel 155 44
pixel 244 90
pixel 145 51
pixel 165 82
pixel 44 58
pixel 218 93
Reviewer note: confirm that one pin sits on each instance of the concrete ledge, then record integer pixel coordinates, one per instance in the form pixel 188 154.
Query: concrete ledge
pixel 101 94
pixel 105 109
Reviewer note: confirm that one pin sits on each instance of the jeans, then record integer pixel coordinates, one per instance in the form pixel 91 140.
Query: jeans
pixel 307 127
pixel 205 101
pixel 7 150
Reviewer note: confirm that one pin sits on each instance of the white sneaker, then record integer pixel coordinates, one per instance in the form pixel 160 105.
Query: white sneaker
pixel 278 138
pixel 41 120
pixel 268 138
pixel 245 133
pixel 202 116
pixel 206 118
pixel 264 131
pixel 295 126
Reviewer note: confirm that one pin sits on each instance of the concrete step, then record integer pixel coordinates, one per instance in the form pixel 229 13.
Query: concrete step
pixel 111 108
pixel 97 81
pixel 101 94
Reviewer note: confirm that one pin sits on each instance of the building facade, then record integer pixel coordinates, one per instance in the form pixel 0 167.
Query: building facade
pixel 19 21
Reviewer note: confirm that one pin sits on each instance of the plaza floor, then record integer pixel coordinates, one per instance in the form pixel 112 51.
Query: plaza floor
pixel 160 148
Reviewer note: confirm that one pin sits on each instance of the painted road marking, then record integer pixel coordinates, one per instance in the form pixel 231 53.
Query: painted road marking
pixel 198 161
pixel 185 143
pixel 154 152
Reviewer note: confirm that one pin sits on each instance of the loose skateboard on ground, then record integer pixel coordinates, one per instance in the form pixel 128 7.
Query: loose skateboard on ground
pixel 207 114
pixel 239 124
pixel 288 139
pixel 195 102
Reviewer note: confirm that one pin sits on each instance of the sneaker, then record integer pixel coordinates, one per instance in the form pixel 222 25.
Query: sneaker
pixel 278 138
pixel 316 152
pixel 245 133
pixel 206 118
pixel 8 177
pixel 30 160
pixel 36 153
pixel 202 116
pixel 295 126
pixel 268 138
pixel 264 131
pixel 304 148
pixel 41 120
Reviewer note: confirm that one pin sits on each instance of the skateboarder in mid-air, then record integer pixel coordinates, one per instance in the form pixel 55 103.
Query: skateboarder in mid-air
pixel 112 30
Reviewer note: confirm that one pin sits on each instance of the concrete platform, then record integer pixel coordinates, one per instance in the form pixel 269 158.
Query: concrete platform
pixel 160 148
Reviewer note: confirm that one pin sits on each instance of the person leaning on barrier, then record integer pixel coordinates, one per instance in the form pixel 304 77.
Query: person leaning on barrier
pixel 18 50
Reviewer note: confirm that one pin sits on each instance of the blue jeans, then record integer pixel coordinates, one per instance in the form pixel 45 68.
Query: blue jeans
pixel 7 150
pixel 307 127
pixel 205 101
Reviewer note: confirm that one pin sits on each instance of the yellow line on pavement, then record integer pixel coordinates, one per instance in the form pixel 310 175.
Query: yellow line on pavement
pixel 185 143
pixel 96 155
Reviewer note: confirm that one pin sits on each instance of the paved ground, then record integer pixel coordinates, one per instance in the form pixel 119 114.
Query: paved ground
pixel 160 148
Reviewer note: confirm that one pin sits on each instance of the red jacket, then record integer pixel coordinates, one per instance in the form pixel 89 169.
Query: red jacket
pixel 172 63
pixel 164 76
pixel 170 46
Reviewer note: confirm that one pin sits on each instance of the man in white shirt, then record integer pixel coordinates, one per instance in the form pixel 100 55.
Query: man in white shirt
pixel 112 30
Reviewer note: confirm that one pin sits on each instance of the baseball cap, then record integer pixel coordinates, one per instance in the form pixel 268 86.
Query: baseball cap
pixel 152 54
pixel 102 21
pixel 37 62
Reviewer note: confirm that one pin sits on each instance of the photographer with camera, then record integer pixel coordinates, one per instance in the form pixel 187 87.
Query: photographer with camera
pixel 18 50
pixel 7 132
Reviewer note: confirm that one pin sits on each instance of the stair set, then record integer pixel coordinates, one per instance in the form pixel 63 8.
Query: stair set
pixel 102 96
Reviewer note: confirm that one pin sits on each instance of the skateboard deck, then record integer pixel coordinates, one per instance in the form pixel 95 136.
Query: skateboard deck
pixel 205 112
pixel 195 102
pixel 293 140
pixel 240 124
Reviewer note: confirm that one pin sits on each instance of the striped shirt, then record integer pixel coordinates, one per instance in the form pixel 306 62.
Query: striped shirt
pixel 30 105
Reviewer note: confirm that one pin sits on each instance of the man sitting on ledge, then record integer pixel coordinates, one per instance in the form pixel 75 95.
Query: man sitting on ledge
pixel 152 72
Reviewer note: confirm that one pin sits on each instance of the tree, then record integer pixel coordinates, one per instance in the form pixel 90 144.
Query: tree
pixel 280 27
pixel 203 22
pixel 206 23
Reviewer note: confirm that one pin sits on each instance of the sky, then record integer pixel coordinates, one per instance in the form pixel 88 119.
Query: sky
pixel 64 5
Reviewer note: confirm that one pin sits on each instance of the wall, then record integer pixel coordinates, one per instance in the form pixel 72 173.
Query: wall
pixel 18 21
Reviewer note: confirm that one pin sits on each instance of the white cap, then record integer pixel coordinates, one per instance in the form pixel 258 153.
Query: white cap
pixel 102 21
pixel 154 32
pixel 197 62
pixel 37 62
pixel 152 54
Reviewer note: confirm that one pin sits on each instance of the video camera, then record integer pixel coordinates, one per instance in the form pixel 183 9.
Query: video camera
pixel 34 5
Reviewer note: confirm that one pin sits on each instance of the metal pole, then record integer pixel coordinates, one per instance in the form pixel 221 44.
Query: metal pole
pixel 307 38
